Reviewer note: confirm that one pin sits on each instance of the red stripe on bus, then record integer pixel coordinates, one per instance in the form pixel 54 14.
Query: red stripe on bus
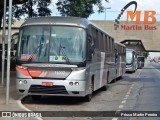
pixel 47 74
pixel 22 71
pixel 35 73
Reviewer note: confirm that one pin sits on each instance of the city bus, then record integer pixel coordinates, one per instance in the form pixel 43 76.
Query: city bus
pixel 64 56
pixel 131 60
pixel 141 61
pixel 120 61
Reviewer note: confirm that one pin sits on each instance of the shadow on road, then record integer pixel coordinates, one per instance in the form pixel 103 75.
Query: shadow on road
pixel 58 100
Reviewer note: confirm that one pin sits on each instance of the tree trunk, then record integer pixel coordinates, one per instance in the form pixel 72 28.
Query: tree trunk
pixel 30 9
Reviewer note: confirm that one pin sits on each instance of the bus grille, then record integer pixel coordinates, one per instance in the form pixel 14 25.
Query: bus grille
pixel 56 89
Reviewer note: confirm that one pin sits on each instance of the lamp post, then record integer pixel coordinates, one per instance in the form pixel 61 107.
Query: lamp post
pixel 3 41
pixel 105 11
pixel 8 51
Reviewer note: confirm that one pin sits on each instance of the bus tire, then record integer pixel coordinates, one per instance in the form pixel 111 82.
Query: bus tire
pixel 36 97
pixel 134 70
pixel 88 97
pixel 104 88
pixel 114 80
pixel 120 77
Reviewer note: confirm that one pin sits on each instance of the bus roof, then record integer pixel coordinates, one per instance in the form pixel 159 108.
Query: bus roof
pixel 58 20
pixel 61 20
pixel 120 44
pixel 128 49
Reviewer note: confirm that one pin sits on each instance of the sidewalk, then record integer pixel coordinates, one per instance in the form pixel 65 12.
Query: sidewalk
pixel 13 95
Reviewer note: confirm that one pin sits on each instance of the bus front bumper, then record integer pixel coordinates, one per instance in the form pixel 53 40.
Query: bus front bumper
pixel 129 68
pixel 51 87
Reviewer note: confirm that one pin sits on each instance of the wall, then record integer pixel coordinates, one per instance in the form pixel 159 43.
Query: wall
pixel 149 38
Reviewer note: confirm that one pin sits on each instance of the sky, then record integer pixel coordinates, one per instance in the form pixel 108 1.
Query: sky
pixel 153 54
pixel 116 6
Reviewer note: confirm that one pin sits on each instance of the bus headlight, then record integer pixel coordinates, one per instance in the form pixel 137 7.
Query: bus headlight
pixel 20 81
pixel 71 83
pixel 76 83
pixel 25 82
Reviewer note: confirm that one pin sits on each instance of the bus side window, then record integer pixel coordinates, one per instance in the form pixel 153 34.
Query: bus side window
pixel 106 44
pixel 116 55
pixel 97 40
pixel 112 45
pixel 101 42
pixel 91 47
pixel 94 35
pixel 109 45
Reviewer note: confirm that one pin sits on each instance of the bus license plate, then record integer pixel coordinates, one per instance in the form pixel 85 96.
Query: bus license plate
pixel 47 83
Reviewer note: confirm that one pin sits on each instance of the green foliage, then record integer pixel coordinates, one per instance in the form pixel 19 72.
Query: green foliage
pixel 79 8
pixel 145 54
pixel 28 9
pixel 43 9
pixel 32 8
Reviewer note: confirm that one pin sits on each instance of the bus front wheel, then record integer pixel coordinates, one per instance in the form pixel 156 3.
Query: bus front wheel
pixel 89 96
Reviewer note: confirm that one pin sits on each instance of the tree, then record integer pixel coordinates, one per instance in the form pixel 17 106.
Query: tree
pixel 27 9
pixel 145 54
pixel 32 8
pixel 79 8
pixel 2 6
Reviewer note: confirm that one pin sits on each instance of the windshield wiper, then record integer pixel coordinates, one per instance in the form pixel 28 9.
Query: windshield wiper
pixel 34 52
pixel 64 53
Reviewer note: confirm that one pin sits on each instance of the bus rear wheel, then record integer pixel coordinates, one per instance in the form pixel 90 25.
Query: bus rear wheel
pixel 104 88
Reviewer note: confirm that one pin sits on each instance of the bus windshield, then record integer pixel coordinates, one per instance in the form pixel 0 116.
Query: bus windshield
pixel 129 57
pixel 57 44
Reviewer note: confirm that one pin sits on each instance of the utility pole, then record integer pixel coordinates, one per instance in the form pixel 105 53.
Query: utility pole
pixel 9 52
pixel 105 10
pixel 3 42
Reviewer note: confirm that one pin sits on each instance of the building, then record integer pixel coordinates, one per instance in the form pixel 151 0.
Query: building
pixel 15 29
pixel 138 38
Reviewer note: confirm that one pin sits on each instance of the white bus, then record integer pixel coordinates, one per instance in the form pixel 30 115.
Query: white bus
pixel 141 61
pixel 131 60
pixel 120 62
pixel 64 56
